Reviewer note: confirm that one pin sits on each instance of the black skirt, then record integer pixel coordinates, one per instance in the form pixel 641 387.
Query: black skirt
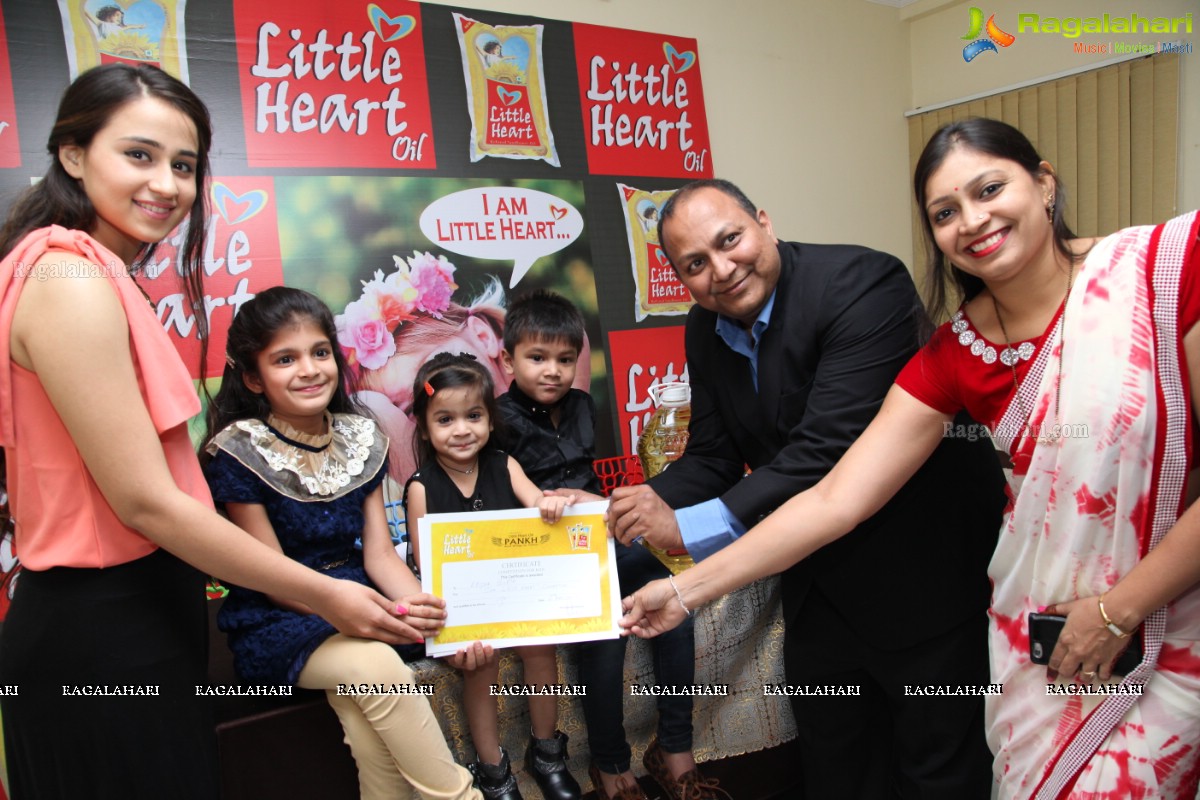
pixel 98 676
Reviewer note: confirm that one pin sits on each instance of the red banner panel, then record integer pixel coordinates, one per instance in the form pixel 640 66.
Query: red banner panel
pixel 643 105
pixel 642 359
pixel 10 143
pixel 241 258
pixel 334 84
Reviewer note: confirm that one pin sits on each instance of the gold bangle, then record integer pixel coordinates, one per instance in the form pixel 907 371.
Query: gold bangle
pixel 679 597
pixel 1108 623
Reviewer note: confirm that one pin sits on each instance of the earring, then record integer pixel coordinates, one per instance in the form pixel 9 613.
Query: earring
pixel 1050 210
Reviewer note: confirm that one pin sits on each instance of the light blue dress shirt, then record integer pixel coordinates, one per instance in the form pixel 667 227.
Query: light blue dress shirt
pixel 707 527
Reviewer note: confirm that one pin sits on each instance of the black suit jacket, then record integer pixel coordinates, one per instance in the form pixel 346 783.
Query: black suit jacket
pixel 846 319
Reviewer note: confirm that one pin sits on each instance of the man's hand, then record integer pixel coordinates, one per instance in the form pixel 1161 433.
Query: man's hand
pixel 638 512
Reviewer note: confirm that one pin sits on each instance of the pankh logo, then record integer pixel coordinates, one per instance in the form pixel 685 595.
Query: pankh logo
pixel 994 37
pixel 520 540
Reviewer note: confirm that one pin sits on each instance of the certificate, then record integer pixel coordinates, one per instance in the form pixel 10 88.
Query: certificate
pixel 510 579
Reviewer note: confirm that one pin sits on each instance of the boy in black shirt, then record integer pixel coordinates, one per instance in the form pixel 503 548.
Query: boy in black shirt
pixel 552 436
pixel 551 426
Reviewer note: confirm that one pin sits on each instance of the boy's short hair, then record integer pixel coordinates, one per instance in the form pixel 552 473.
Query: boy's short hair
pixel 542 315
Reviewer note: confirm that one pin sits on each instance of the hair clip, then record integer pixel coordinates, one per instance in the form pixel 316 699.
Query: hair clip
pixel 429 388
pixel 229 360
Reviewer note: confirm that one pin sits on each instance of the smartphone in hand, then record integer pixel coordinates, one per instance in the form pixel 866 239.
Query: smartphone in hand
pixel 1044 630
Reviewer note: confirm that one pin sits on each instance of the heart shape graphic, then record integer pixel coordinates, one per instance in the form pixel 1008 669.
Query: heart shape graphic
pixel 662 257
pixel 677 61
pixel 235 208
pixel 557 213
pixel 390 28
pixel 507 97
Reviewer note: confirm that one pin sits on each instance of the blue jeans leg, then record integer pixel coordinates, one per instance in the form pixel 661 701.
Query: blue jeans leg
pixel 602 666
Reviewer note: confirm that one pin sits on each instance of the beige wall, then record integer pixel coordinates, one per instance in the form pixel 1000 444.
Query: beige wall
pixel 805 102
pixel 939 73
pixel 805 98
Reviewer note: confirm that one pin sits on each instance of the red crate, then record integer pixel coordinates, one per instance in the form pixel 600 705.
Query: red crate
pixel 618 471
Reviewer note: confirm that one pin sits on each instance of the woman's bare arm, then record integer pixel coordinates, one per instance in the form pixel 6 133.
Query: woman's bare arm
pixel 892 448
pixel 73 333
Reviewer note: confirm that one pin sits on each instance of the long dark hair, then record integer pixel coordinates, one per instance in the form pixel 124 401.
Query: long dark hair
pixel 58 199
pixel 450 371
pixel 257 322
pixel 990 137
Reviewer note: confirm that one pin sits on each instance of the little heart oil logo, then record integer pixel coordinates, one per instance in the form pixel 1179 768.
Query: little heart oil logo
pixel 679 62
pixel 388 28
pixel 235 208
pixel 994 37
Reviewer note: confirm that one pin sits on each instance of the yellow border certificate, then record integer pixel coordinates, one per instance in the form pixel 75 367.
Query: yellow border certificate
pixel 510 579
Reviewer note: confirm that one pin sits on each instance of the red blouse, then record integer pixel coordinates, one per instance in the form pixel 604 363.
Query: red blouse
pixel 959 369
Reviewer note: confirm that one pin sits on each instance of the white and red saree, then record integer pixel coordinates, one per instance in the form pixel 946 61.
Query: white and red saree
pixel 1095 487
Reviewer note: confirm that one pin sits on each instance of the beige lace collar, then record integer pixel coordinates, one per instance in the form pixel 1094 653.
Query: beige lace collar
pixel 304 466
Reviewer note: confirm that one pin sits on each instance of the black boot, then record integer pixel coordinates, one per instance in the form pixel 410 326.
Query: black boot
pixel 546 760
pixel 496 781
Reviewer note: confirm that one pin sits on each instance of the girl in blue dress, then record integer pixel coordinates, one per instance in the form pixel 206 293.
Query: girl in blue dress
pixel 297 468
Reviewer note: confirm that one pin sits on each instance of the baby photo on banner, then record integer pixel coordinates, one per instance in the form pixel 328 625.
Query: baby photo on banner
pixel 657 290
pixel 506 93
pixel 436 277
pixel 130 31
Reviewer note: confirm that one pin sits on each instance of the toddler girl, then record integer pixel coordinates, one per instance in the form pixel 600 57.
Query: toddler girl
pixel 454 407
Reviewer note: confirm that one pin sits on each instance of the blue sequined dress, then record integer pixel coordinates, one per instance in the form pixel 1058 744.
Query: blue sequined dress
pixel 312 488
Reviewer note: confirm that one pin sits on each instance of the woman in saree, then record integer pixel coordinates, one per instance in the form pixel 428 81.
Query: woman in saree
pixel 1082 357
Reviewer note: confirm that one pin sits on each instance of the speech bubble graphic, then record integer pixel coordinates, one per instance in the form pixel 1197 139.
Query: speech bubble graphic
pixel 502 223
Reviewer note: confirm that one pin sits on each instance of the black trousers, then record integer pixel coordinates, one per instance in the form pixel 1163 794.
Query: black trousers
pixel 884 743
pixel 140 632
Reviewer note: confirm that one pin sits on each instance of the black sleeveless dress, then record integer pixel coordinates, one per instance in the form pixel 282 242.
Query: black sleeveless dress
pixel 493 487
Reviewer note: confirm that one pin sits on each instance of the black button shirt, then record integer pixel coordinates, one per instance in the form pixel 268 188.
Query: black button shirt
pixel 553 458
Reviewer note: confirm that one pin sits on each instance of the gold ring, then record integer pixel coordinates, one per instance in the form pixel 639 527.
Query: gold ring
pixel 1088 675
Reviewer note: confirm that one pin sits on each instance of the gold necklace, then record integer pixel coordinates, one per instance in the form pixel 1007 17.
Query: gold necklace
pixel 1012 361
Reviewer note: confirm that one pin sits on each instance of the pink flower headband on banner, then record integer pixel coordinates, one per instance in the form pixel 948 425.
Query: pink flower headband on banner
pixel 367 328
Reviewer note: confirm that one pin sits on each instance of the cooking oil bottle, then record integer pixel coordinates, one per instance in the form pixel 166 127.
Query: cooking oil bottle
pixel 663 441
